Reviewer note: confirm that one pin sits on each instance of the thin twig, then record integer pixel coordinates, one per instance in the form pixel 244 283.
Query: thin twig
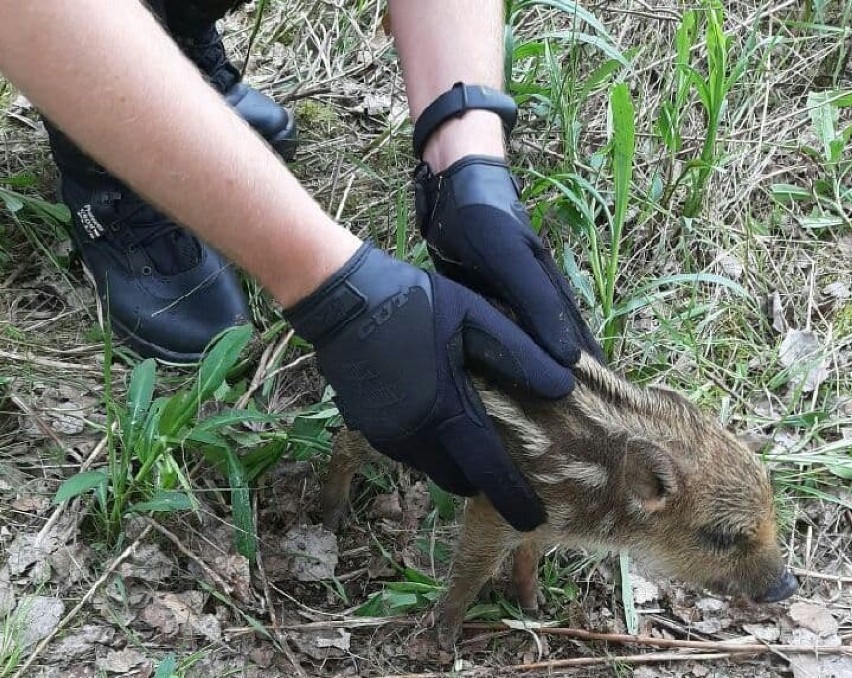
pixel 649 658
pixel 59 510
pixel 208 571
pixel 714 646
pixel 819 575
pixel 21 672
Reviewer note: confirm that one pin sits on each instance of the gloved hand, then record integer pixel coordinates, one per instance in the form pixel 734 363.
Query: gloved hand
pixel 394 342
pixel 479 234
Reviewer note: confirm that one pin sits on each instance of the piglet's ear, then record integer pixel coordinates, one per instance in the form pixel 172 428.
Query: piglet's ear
pixel 649 474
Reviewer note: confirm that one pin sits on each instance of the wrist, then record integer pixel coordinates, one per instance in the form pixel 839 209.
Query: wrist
pixel 317 261
pixel 477 132
pixel 366 291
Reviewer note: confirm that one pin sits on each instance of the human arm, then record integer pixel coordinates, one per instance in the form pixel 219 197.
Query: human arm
pixel 99 75
pixel 467 200
pixel 124 93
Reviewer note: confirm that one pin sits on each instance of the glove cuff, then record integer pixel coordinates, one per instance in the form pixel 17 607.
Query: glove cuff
pixel 333 304
pixel 493 180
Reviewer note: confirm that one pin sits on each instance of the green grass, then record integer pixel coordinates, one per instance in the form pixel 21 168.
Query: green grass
pixel 145 474
pixel 652 153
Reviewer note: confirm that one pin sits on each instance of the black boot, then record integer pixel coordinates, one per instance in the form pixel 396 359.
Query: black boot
pixel 166 292
pixel 205 49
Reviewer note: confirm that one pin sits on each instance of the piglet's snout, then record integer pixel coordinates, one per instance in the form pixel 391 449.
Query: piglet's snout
pixel 783 587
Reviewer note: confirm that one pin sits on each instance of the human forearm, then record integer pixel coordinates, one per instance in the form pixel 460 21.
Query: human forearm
pixel 100 76
pixel 441 43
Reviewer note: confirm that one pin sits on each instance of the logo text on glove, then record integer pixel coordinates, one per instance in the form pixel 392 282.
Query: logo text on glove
pixel 382 314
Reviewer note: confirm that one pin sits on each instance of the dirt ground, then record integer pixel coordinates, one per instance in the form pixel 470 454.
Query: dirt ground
pixel 769 348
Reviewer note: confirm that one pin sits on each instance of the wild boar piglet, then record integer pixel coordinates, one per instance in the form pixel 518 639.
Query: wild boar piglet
pixel 617 467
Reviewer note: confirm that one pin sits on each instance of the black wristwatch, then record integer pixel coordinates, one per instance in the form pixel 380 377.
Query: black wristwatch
pixel 455 102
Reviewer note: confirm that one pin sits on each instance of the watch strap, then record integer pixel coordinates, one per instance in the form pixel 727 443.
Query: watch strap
pixel 457 101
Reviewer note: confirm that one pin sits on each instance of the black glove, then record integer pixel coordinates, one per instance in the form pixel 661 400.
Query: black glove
pixel 394 342
pixel 479 234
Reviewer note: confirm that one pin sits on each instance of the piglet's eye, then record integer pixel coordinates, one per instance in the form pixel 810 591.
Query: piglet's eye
pixel 719 539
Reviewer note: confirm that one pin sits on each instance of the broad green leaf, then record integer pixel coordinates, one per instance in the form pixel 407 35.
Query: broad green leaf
pixel 443 501
pixel 412 587
pixel 223 355
pixel 167 667
pixel 579 281
pixel 13 202
pixel 823 116
pixel 149 440
pixel 175 412
pixel 599 77
pixel 631 618
pixel 79 484
pixel 841 470
pixel 139 395
pixel 790 193
pixel 668 127
pixel 650 292
pixel 623 147
pixel 164 502
pixel 836 147
pixel 225 419
pixel 374 607
pixel 685 37
pixel 245 538
pixel 415 577
pixel 262 458
pixel 816 223
pixel 400 601
pixel 509 55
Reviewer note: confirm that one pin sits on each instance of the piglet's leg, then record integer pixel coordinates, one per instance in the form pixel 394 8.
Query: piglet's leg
pixel 525 575
pixel 485 541
pixel 350 450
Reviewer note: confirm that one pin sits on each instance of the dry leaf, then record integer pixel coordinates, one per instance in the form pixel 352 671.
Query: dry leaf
pixel 28 549
pixel 814 618
pixel 305 553
pixel 39 615
pixel 31 503
pixel 768 633
pixel 731 266
pixel 801 350
pixel 7 593
pixel 69 563
pixel 147 563
pixel 121 661
pixel 387 506
pixel 808 665
pixel 81 642
pixel 322 643
pixel 644 591
pixel 837 290
pixel 776 313
pixel 416 505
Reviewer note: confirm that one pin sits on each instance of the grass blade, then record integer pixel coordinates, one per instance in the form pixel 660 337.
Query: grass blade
pixel 218 362
pixel 139 396
pixel 245 539
pixel 79 484
pixel 631 618
pixel 164 502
